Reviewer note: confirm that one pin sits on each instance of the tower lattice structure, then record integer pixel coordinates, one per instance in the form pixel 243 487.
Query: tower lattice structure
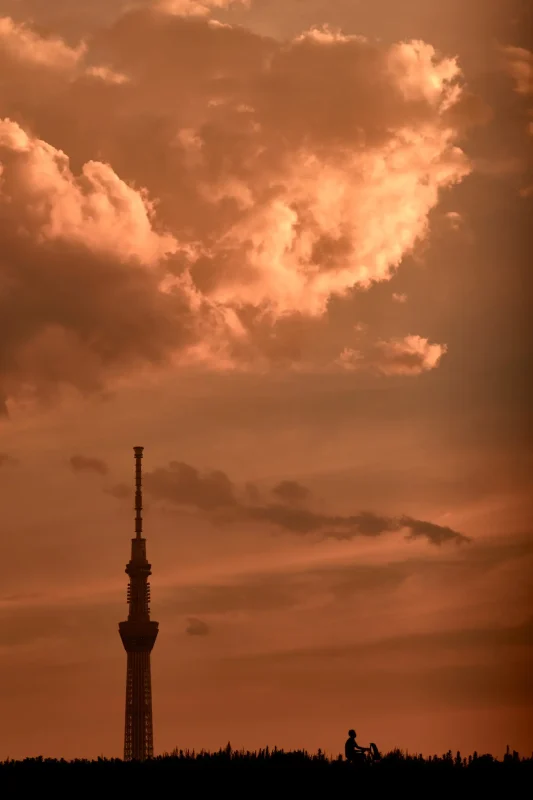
pixel 138 634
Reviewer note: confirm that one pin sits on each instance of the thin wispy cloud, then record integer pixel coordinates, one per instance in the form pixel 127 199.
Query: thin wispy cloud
pixel 79 463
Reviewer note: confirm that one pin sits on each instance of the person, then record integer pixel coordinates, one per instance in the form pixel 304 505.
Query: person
pixel 352 750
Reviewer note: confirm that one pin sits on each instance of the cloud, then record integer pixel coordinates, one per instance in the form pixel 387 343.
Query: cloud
pixel 189 193
pixel 184 485
pixel 291 492
pixel 518 63
pixel 194 8
pixel 79 295
pixel 21 43
pixel 95 210
pixel 410 355
pixel 399 297
pixel 107 75
pixel 87 464
pixel 437 534
pixel 215 494
pixel 196 627
pixel 366 523
pixel 455 220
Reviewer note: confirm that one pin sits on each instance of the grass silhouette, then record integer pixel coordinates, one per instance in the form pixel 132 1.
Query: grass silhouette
pixel 292 769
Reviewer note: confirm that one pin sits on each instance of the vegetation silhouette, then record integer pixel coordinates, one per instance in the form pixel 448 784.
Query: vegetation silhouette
pixel 393 768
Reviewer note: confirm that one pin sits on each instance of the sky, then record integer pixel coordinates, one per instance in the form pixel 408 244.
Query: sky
pixel 284 246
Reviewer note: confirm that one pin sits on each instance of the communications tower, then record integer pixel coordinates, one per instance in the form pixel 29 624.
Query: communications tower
pixel 138 634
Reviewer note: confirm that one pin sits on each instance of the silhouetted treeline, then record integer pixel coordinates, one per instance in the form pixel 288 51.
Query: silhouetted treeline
pixel 258 766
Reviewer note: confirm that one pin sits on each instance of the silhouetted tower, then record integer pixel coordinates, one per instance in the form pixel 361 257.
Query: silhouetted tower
pixel 138 636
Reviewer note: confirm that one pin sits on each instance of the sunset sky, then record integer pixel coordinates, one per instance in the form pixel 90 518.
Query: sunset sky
pixel 283 245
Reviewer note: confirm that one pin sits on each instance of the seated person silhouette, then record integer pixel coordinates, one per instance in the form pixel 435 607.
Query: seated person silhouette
pixel 352 750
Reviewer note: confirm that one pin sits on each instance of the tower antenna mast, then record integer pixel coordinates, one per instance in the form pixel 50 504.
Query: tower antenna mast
pixel 138 634
pixel 138 492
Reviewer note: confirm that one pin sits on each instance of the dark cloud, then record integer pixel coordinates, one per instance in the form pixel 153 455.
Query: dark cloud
pixel 213 492
pixel 300 520
pixel 184 485
pixel 88 464
pixel 196 627
pixel 291 492
pixel 435 533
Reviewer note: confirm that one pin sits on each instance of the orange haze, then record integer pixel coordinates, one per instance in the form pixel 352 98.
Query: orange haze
pixel 283 246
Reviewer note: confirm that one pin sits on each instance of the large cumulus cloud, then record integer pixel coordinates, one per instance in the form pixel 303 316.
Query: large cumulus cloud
pixel 78 296
pixel 174 188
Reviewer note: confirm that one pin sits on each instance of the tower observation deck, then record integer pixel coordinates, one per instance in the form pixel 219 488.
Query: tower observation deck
pixel 138 634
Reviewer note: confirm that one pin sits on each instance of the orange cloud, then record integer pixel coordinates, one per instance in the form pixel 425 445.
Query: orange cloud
pixel 194 8
pixel 518 63
pixel 344 199
pixel 410 355
pixel 96 209
pixel 20 43
pixel 224 188
pixel 107 75
pixel 399 297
